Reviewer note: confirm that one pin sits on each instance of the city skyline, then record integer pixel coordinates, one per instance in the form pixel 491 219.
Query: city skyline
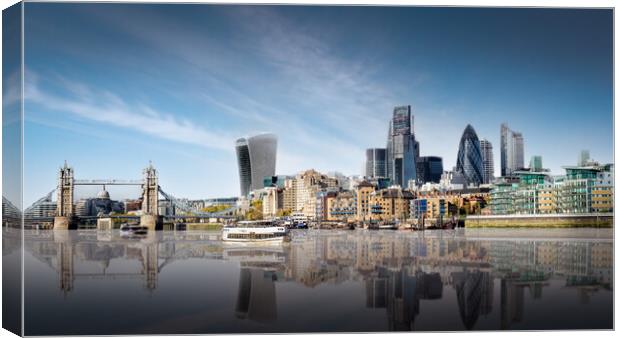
pixel 182 93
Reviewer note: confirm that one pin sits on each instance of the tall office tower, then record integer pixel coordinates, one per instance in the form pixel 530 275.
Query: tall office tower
pixel 375 162
pixel 256 157
pixel 486 148
pixel 429 169
pixel 536 163
pixel 402 147
pixel 511 156
pixel 469 158
pixel 584 158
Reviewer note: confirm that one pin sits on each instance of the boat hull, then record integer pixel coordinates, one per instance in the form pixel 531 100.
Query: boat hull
pixel 254 235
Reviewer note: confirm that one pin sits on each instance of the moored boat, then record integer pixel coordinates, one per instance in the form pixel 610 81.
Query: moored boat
pixel 133 229
pixel 254 231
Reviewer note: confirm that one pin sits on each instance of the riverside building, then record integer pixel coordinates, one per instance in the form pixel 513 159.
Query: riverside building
pixel 582 190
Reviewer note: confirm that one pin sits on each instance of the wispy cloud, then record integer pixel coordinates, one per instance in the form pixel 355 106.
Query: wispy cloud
pixel 103 106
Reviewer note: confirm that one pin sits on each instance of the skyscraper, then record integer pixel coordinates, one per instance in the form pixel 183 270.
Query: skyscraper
pixel 584 157
pixel 401 147
pixel 488 171
pixel 536 163
pixel 375 162
pixel 469 158
pixel 511 150
pixel 429 169
pixel 256 157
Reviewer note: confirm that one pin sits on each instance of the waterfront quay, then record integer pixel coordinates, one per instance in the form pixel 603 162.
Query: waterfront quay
pixel 604 220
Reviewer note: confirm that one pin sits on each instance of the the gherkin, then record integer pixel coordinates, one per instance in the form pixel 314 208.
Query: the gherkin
pixel 469 158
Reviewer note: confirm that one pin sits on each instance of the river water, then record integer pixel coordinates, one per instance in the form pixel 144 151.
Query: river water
pixel 89 282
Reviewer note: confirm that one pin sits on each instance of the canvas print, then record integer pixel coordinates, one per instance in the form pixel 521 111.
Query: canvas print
pixel 233 168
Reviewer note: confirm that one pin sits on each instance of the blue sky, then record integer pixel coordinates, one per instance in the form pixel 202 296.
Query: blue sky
pixel 111 86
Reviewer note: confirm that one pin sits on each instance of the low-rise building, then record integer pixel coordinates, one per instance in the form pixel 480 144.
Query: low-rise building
pixel 272 202
pixel 583 189
pixel 364 190
pixel 390 204
pixel 342 207
pixel 429 208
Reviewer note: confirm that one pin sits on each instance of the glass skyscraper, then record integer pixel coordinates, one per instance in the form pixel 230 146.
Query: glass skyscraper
pixel 469 158
pixel 486 148
pixel 375 162
pixel 256 158
pixel 536 163
pixel 584 157
pixel 511 150
pixel 429 169
pixel 401 147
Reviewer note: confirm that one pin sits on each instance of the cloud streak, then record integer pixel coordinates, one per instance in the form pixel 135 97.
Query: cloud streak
pixel 106 107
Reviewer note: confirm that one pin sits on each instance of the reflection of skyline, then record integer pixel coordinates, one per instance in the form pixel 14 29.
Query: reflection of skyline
pixel 474 292
pixel 397 271
pixel 257 295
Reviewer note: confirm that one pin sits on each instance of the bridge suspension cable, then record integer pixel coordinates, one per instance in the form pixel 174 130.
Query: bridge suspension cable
pixel 185 207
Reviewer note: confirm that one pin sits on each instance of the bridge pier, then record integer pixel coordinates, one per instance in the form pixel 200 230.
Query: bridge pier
pixel 104 223
pixel 62 223
pixel 152 222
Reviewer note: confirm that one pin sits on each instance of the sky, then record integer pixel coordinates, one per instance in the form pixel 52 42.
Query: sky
pixel 110 87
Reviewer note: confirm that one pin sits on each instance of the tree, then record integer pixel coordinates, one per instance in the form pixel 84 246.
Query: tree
pixel 255 212
pixel 216 208
pixel 283 212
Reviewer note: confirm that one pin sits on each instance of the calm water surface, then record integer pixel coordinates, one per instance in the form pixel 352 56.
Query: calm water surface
pixel 89 282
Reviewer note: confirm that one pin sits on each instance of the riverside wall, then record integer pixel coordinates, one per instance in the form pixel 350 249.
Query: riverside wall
pixel 602 220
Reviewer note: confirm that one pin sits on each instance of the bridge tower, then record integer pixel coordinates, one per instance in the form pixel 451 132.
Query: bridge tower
pixel 64 204
pixel 150 198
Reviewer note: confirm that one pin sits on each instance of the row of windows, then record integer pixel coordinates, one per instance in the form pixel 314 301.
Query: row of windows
pixel 254 236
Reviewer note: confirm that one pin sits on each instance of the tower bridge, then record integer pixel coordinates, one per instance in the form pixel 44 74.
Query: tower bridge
pixel 65 216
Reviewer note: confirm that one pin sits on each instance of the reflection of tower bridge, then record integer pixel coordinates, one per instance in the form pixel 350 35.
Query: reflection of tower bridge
pixel 65 216
pixel 61 250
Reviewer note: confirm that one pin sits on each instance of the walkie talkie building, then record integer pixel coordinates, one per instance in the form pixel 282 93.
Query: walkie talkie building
pixel 256 158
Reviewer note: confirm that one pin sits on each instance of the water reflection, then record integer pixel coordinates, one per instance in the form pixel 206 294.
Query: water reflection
pixel 489 282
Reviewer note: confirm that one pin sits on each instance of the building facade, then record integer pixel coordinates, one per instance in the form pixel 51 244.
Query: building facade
pixel 364 190
pixel 429 169
pixel 256 159
pixel 376 162
pixel 581 190
pixel 402 148
pixel 511 155
pixel 488 166
pixel 536 163
pixel 469 157
pixel 273 202
pixel 390 204
pixel 342 207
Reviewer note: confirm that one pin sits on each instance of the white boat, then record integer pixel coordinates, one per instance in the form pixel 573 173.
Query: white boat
pixel 127 230
pixel 254 231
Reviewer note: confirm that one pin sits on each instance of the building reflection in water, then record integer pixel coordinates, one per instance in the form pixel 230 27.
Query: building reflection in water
pixel 256 299
pixel 60 250
pixel 474 294
pixel 400 292
pixel 398 271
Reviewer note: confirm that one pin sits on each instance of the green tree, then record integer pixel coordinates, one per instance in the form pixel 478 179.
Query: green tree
pixel 255 212
pixel 283 212
pixel 215 208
